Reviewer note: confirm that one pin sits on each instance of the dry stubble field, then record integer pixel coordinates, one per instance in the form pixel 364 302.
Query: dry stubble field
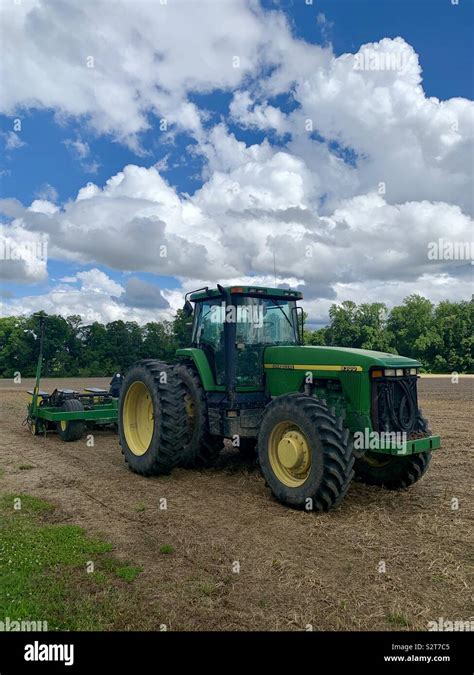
pixel 295 568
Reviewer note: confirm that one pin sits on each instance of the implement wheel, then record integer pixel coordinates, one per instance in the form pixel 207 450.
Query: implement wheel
pixel 305 453
pixel 152 418
pixel 71 430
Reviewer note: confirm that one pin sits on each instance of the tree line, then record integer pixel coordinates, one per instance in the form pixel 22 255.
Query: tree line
pixel 440 336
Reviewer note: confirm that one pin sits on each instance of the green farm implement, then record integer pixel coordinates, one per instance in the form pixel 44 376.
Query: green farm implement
pixel 316 416
pixel 68 411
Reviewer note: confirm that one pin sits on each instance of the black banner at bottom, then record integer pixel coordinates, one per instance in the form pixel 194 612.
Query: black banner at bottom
pixel 404 652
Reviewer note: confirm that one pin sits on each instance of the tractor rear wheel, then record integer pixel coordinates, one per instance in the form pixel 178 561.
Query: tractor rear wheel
pixel 152 418
pixel 390 471
pixel 201 448
pixel 71 430
pixel 248 447
pixel 305 453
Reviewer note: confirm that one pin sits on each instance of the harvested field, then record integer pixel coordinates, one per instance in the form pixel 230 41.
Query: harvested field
pixel 295 568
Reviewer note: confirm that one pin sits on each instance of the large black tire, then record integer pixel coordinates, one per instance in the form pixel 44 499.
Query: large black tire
pixel 71 430
pixel 152 418
pixel 201 449
pixel 328 452
pixel 248 447
pixel 390 471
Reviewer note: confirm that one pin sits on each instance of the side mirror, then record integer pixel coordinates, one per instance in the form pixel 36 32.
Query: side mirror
pixel 188 308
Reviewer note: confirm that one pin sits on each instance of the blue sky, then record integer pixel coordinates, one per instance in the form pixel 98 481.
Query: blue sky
pixel 48 164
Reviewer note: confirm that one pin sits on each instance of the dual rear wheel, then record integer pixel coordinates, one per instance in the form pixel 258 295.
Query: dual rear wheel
pixel 163 419
pixel 152 418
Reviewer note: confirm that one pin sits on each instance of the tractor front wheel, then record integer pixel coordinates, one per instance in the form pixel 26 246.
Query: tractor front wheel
pixel 390 471
pixel 152 418
pixel 305 453
pixel 71 430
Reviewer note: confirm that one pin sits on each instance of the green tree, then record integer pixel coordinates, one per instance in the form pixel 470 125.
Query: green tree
pixel 159 341
pixel 94 360
pixel 124 344
pixel 344 330
pixel 372 321
pixel 56 360
pixel 316 337
pixel 414 330
pixel 182 329
pixel 16 347
pixel 363 326
pixel 454 324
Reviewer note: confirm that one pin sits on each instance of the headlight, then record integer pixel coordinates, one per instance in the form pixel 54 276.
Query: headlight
pixel 394 372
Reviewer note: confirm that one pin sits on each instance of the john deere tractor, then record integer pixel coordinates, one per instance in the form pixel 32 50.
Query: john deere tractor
pixel 316 416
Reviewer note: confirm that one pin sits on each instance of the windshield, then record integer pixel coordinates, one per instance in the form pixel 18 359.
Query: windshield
pixel 259 321
pixel 265 321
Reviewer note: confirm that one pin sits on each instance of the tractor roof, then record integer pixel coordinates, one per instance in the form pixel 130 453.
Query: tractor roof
pixel 253 291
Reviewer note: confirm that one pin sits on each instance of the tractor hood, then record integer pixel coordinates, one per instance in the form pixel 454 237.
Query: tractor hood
pixel 342 358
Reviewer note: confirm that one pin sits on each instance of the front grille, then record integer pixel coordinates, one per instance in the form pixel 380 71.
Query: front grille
pixel 395 405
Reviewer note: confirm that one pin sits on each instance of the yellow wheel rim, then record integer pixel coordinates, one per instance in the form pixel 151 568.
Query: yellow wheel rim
pixel 289 454
pixel 63 425
pixel 377 462
pixel 138 418
pixel 189 405
pixel 190 413
pixel 33 429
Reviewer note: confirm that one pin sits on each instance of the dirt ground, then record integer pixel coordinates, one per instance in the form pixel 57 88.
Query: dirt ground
pixel 296 569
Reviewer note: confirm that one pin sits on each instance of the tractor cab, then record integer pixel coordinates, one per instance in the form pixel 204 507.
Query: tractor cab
pixel 233 326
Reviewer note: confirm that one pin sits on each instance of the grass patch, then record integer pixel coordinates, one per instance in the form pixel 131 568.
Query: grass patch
pixel 166 548
pixel 56 573
pixel 397 619
pixel 128 573
pixel 139 508
pixel 207 588
pixel 24 504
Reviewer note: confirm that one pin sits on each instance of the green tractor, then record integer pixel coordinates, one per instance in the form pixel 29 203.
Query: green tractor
pixel 316 416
